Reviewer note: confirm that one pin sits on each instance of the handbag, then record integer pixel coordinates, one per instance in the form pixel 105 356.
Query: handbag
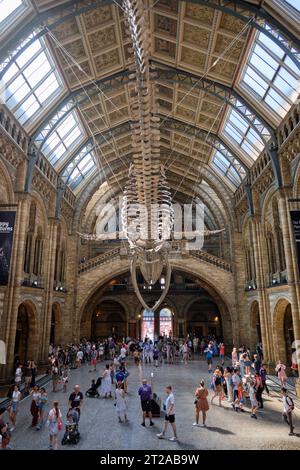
pixel 59 425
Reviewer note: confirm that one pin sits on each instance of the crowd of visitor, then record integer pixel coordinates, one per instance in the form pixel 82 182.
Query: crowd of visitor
pixel 242 378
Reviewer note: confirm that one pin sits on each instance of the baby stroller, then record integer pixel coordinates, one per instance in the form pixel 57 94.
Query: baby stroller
pixel 92 392
pixel 72 434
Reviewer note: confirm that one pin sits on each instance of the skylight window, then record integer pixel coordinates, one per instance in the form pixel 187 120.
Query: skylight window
pixel 63 138
pixel 31 82
pixel 294 3
pixel 271 76
pixel 239 131
pixel 230 168
pixel 9 8
pixel 80 167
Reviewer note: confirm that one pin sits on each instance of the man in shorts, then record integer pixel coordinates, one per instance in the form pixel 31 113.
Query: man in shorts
pixel 169 407
pixel 145 392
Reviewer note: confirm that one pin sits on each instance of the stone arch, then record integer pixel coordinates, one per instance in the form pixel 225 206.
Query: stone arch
pixel 283 330
pixel 87 318
pixel 203 272
pixel 56 330
pixel 202 323
pixel 255 331
pixel 7 191
pixel 26 336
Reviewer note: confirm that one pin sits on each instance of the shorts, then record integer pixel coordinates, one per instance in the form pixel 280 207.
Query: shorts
pixel 14 407
pixel 254 403
pixel 235 394
pixel 146 405
pixel 209 361
pixel 94 362
pixel 170 418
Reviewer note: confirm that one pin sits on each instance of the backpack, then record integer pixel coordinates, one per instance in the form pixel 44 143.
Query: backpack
pixel 218 380
pixel 291 404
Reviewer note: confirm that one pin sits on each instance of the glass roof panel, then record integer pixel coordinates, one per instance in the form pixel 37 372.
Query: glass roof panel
pixel 229 168
pixel 294 3
pixel 270 76
pixel 32 82
pixel 63 138
pixel 241 133
pixel 80 167
pixel 8 8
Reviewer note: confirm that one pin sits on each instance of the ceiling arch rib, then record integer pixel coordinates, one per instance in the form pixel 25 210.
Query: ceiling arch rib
pixel 260 19
pixel 169 124
pixel 106 175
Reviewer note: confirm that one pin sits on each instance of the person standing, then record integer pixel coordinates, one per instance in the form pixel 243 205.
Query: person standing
pixel 170 415
pixel 234 357
pixel 76 400
pixel 217 386
pixel 222 353
pixel 121 404
pixel 14 406
pixel 145 393
pixel 106 385
pixel 263 374
pixel 280 372
pixel 43 400
pixel 209 357
pixel 34 409
pixel 94 358
pixel 201 403
pixel 18 376
pixel 33 369
pixel 54 423
pixel 288 407
pixel 253 399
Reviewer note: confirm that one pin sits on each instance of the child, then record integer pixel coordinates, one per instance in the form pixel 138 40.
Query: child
pixel 121 404
pixel 65 378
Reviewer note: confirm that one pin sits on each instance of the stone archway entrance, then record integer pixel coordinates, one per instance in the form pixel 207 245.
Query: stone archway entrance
pixel 25 344
pixel 284 331
pixel 109 319
pixel 203 318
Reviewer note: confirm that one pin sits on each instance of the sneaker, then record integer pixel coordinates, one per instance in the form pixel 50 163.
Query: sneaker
pixel 173 439
pixel 160 435
pixel 12 429
pixel 195 424
pixel 143 424
pixel 291 434
pixel 151 423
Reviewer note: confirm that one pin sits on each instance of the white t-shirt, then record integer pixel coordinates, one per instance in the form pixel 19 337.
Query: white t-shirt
pixel 123 352
pixel 170 400
pixel 80 355
pixel 287 403
pixel 18 374
pixel 15 396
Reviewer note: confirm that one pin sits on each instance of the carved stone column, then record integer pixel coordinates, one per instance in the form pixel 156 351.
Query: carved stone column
pixel 263 302
pixel 12 297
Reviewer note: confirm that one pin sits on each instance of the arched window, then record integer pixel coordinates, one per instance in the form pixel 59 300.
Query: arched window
pixel 147 330
pixel 165 322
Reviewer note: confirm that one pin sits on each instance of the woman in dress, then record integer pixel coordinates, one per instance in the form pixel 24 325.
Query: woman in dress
pixel 15 399
pixel 121 404
pixel 43 400
pixel 106 382
pixel 201 403
pixel 34 409
pixel 55 424
pixel 280 372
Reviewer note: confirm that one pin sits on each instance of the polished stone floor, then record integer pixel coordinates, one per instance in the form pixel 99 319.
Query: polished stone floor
pixel 99 428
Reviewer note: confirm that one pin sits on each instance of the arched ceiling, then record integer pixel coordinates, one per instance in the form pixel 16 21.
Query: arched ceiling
pixel 214 124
